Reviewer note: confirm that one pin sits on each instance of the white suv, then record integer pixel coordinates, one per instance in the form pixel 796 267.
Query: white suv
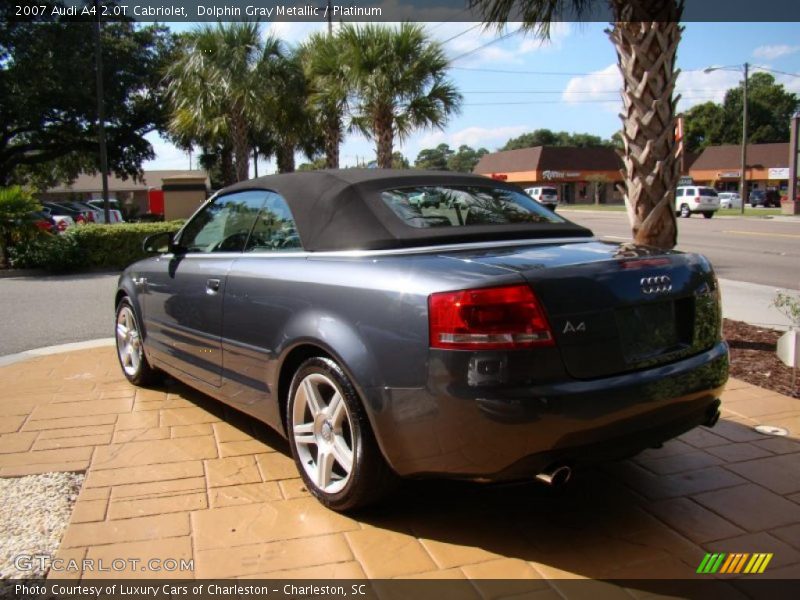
pixel 548 196
pixel 691 199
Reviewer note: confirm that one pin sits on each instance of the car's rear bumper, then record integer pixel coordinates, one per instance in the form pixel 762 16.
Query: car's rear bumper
pixel 501 433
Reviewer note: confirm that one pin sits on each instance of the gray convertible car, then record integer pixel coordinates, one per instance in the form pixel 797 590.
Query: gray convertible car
pixel 412 323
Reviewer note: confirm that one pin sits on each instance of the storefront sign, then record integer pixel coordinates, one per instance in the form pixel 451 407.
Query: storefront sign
pixel 551 175
pixel 778 173
pixel 727 174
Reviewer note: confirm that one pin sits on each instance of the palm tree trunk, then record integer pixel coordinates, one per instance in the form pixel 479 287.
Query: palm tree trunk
pixel 646 57
pixel 333 138
pixel 241 148
pixel 285 158
pixel 228 171
pixel 385 139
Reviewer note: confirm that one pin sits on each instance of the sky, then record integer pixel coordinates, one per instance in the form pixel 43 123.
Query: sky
pixel 516 84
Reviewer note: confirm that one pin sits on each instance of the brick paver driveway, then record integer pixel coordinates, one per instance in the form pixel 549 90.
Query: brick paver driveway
pixel 173 474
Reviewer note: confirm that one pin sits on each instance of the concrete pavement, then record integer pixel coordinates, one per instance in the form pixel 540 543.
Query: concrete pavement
pixel 752 303
pixel 173 474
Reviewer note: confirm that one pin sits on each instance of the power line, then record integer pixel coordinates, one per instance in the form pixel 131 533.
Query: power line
pixel 482 46
pixel 557 73
pixel 777 71
pixel 561 101
pixel 458 35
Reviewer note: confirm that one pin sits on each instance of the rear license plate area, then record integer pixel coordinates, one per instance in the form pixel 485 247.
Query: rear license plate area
pixel 650 330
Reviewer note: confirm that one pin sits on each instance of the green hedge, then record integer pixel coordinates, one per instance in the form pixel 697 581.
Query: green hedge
pixel 88 247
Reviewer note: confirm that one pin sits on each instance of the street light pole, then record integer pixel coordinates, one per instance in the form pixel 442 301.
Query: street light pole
pixel 743 184
pixel 101 111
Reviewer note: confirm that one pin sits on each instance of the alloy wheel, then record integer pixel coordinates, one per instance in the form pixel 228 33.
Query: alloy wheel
pixel 323 433
pixel 129 344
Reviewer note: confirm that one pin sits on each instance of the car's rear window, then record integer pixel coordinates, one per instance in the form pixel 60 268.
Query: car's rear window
pixel 458 206
pixel 550 191
pixel 707 192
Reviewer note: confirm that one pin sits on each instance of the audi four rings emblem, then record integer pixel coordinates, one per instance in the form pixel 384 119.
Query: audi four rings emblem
pixel 660 284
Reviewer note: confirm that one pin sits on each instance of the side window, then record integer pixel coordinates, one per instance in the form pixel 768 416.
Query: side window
pixel 679 192
pixel 275 229
pixel 225 224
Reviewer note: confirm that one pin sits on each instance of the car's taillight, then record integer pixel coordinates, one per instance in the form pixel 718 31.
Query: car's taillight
pixel 62 225
pixel 90 217
pixel 499 318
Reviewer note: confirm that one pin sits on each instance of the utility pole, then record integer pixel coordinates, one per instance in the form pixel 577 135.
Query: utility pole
pixel 101 112
pixel 330 18
pixel 794 149
pixel 743 185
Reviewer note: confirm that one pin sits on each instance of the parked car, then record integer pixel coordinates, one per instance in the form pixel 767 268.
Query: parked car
pixel 89 213
pixel 729 200
pixel 692 199
pixel 114 211
pixel 383 343
pixel 765 198
pixel 58 209
pixel 43 222
pixel 548 196
pixel 60 222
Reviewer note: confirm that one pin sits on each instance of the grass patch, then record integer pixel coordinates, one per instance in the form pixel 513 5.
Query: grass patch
pixel 726 212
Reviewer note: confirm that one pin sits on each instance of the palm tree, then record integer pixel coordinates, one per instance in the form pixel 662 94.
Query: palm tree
pixel 400 83
pixel 646 36
pixel 218 85
pixel 329 76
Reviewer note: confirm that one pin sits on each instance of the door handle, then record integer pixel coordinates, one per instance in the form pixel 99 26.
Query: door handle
pixel 212 286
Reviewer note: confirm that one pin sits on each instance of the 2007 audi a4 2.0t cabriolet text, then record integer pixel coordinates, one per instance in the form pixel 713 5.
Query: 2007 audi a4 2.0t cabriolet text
pixel 474 334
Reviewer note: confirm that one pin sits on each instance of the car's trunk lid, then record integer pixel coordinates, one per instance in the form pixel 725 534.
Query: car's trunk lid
pixel 613 308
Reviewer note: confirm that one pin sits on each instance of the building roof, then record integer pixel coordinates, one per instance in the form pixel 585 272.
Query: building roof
pixel 549 158
pixel 86 183
pixel 341 209
pixel 729 156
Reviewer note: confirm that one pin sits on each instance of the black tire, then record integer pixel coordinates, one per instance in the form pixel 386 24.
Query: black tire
pixel 708 215
pixel 753 205
pixel 369 478
pixel 685 212
pixel 139 372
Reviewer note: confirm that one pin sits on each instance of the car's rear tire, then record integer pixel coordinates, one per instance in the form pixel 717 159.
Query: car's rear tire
pixel 685 212
pixel 130 347
pixel 708 215
pixel 331 439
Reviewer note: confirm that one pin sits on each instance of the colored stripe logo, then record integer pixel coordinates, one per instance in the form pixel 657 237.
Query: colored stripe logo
pixel 731 564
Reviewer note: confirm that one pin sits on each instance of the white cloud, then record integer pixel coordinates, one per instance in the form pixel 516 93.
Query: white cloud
pixel 167 155
pixel 698 87
pixel 476 137
pixel 601 86
pixel 771 52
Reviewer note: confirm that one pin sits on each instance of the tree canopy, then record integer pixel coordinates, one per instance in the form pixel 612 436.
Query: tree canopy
pixel 48 105
pixel 546 137
pixel 769 106
pixel 443 158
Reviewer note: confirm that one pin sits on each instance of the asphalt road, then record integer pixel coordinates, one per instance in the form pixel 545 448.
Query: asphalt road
pixel 45 311
pixel 751 249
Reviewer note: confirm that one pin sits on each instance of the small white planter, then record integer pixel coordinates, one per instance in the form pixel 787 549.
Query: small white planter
pixel 789 348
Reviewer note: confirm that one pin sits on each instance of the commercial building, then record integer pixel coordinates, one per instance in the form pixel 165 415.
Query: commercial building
pixel 582 175
pixel 143 196
pixel 720 167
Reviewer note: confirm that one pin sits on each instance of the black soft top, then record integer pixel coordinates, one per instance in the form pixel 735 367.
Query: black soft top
pixel 341 209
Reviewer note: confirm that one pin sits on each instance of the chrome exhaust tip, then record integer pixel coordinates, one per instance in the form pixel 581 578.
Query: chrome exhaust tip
pixel 555 477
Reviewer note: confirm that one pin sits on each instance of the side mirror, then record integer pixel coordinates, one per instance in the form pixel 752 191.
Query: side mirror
pixel 159 243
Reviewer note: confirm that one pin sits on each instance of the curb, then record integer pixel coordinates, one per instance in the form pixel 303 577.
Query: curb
pixel 48 350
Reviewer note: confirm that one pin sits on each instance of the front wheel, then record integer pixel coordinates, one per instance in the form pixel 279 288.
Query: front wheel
pixel 685 212
pixel 130 348
pixel 331 438
pixel 708 215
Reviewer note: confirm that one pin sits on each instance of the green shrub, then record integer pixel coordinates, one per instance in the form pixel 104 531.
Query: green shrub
pixel 89 247
pixel 56 253
pixel 116 246
pixel 16 221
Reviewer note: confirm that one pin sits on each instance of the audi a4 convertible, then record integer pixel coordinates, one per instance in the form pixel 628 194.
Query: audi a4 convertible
pixel 475 335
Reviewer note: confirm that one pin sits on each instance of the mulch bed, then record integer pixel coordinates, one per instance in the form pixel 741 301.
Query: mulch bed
pixel 753 358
